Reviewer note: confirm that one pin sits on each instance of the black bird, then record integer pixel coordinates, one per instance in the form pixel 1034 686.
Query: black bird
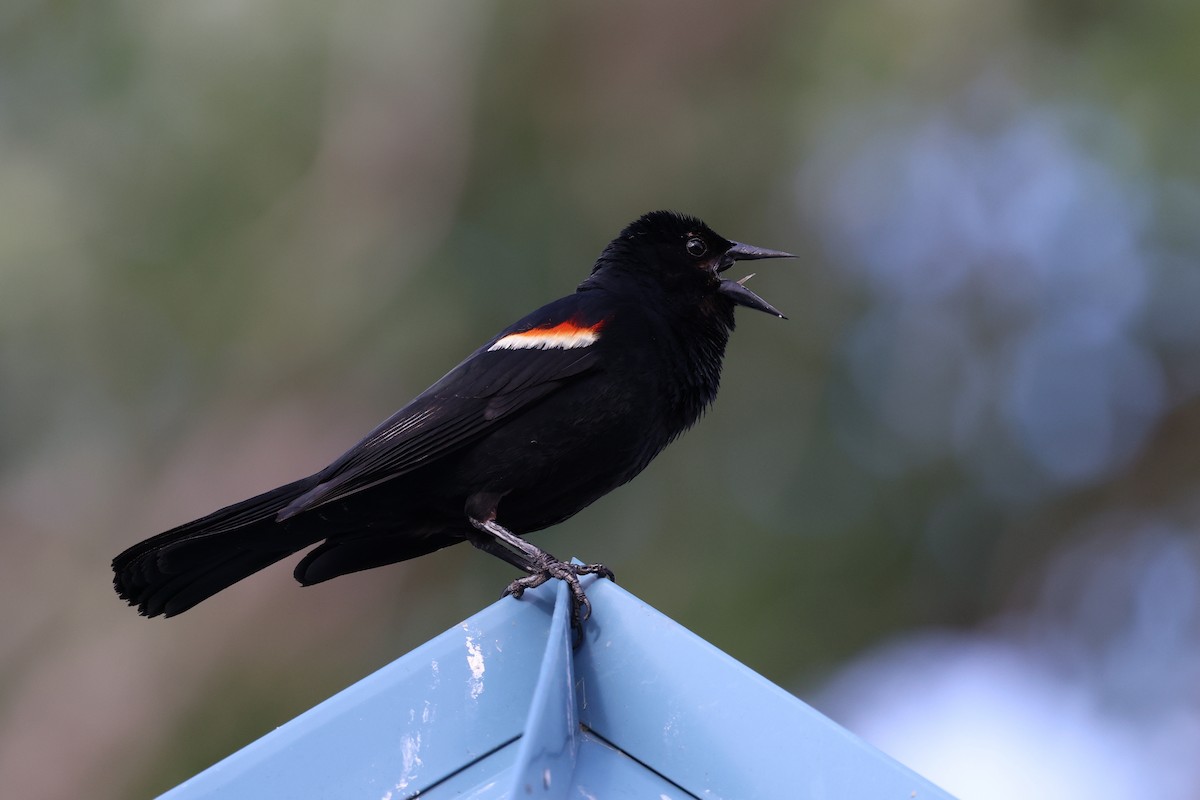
pixel 551 414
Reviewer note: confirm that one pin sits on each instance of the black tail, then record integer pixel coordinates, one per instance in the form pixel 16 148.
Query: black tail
pixel 169 573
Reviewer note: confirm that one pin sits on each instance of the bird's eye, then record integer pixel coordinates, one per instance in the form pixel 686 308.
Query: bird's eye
pixel 696 246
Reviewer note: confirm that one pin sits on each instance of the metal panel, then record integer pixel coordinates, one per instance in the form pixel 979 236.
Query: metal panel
pixel 550 743
pixel 417 721
pixel 500 707
pixel 709 724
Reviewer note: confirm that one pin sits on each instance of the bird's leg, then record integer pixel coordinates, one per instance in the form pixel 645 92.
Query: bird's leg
pixel 487 544
pixel 540 565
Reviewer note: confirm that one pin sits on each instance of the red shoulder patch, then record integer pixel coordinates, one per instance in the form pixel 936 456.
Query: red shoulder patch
pixel 563 336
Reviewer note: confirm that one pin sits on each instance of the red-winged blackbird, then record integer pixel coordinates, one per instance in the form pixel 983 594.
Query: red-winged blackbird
pixel 551 414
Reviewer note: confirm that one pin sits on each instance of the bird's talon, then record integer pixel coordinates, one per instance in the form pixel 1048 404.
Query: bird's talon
pixel 585 608
pixel 595 569
pixel 581 606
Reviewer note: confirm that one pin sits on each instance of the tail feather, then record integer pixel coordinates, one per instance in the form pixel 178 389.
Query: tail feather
pixel 181 592
pixel 173 571
pixel 343 555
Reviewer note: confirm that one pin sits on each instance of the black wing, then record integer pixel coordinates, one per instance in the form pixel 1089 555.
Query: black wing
pixel 488 386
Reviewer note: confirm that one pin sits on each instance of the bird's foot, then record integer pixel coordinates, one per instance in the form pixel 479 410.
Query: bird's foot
pixel 581 607
pixel 540 565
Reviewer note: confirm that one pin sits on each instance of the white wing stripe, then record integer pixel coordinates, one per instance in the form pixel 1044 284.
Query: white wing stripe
pixel 552 339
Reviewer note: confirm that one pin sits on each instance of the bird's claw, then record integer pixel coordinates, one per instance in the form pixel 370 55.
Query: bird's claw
pixel 518 587
pixel 581 607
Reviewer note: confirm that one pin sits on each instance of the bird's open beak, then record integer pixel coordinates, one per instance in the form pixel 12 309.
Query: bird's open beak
pixel 736 290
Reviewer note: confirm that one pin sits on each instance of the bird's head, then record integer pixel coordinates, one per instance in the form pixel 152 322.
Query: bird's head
pixel 682 257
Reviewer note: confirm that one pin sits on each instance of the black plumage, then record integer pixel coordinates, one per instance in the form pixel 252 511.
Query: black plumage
pixel 551 414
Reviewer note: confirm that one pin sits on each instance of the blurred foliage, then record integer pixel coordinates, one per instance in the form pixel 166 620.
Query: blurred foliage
pixel 235 236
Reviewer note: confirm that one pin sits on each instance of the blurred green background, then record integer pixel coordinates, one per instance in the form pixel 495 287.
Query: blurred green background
pixel 236 235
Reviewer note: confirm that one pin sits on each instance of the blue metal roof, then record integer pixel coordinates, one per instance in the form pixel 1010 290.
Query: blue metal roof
pixel 500 706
